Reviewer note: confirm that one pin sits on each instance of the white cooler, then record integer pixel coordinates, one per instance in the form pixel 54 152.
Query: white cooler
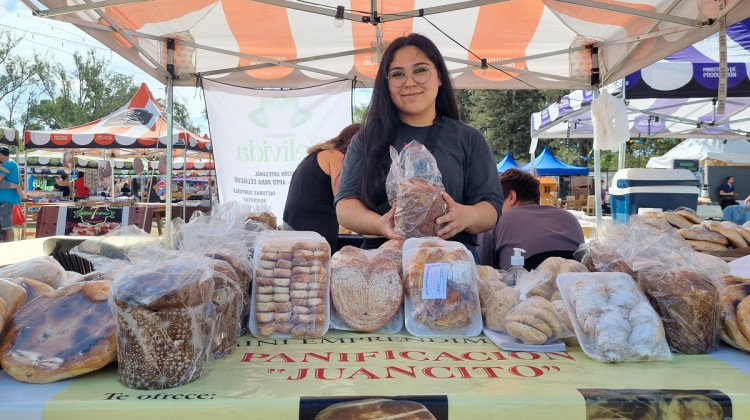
pixel 665 189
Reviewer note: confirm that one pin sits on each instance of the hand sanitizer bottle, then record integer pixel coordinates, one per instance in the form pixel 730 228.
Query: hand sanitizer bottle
pixel 516 263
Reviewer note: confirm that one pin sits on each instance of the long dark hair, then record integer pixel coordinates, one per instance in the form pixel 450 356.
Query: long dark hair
pixel 381 119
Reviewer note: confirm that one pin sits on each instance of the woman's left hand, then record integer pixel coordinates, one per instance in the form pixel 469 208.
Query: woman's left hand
pixel 455 220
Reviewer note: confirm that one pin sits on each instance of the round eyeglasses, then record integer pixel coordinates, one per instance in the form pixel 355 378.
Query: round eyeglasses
pixel 420 75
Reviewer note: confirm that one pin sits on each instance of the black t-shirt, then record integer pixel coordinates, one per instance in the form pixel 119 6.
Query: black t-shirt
pixel 309 202
pixel 465 160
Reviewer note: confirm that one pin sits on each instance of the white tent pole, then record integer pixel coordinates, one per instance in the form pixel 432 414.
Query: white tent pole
pixel 621 153
pixel 170 152
pixel 597 179
pixel 184 181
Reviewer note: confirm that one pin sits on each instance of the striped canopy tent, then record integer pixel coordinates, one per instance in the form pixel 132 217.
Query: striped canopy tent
pixel 9 136
pixel 139 128
pixel 674 98
pixel 506 163
pixel 488 44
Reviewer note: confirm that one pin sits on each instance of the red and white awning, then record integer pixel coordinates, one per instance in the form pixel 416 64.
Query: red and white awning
pixel 526 44
pixel 140 125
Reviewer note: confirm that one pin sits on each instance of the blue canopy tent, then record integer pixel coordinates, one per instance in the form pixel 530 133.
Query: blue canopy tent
pixel 546 164
pixel 507 163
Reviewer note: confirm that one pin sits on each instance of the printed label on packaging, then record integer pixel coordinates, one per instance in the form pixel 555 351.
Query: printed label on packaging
pixel 435 281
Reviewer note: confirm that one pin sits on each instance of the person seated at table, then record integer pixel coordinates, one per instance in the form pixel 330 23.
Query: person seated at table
pixel 525 224
pixel 309 204
pixel 63 184
pixel 82 192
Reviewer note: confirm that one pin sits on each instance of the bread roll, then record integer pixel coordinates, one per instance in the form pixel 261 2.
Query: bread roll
pixel 703 235
pixel 675 219
pixel 706 246
pixel 45 269
pixel 735 239
pixel 731 298
pixel 13 294
pixel 382 409
pixel 34 288
pixel 64 333
pixel 690 215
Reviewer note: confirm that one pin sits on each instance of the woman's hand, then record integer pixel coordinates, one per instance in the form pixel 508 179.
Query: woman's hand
pixel 455 220
pixel 473 219
pixel 387 225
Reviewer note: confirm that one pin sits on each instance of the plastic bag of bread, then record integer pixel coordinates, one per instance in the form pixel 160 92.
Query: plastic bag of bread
pixel 440 286
pixel 290 293
pixel 549 269
pixel 612 319
pixel 228 302
pixel 367 290
pixel 641 243
pixel 45 269
pixel 120 244
pixel 165 319
pixel 688 302
pixel 64 333
pixel 534 320
pixel 414 186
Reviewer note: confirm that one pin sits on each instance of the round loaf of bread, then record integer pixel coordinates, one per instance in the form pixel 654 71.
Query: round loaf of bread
pixel 63 333
pixel 675 219
pixel 703 235
pixel 706 246
pixel 735 239
pixel 164 319
pixel 382 409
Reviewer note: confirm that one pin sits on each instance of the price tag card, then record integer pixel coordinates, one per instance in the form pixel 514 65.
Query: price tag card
pixel 435 281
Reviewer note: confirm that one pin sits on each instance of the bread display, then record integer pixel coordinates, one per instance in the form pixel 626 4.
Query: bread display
pixel 441 293
pixel 290 295
pixel 64 333
pixel 380 408
pixel 612 319
pixel 688 304
pixel 367 290
pixel 164 317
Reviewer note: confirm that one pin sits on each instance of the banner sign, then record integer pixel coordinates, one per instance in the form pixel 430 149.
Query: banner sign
pixel 90 221
pixel 260 136
pixel 448 378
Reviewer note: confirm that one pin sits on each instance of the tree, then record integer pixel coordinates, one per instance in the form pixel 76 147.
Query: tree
pixel 91 92
pixel 180 115
pixel 19 79
pixel 503 116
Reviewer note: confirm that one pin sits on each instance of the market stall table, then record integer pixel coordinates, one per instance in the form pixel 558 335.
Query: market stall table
pixel 455 378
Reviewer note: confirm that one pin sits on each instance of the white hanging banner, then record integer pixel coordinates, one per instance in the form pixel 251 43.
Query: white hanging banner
pixel 260 136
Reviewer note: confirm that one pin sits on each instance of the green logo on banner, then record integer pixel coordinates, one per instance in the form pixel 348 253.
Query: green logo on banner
pixel 93 215
pixel 279 112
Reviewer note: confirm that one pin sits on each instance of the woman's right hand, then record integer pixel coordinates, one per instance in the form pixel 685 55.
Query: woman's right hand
pixel 387 225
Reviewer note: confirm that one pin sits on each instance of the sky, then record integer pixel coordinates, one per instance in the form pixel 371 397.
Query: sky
pixel 59 41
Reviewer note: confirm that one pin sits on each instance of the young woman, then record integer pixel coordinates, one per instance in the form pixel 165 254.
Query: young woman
pixel 309 204
pixel 413 99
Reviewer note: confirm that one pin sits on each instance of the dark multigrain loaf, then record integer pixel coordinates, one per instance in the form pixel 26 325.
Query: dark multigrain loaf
pixel 164 321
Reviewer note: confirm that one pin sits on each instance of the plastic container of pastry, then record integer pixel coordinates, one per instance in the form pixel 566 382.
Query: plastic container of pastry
pixel 367 290
pixel 612 318
pixel 441 294
pixel 290 293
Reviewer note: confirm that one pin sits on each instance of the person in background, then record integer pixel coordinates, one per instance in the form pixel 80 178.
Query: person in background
pixel 309 203
pixel 526 224
pixel 153 196
pixel 9 197
pixel 63 184
pixel 82 192
pixel 125 188
pixel 413 99
pixel 727 195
